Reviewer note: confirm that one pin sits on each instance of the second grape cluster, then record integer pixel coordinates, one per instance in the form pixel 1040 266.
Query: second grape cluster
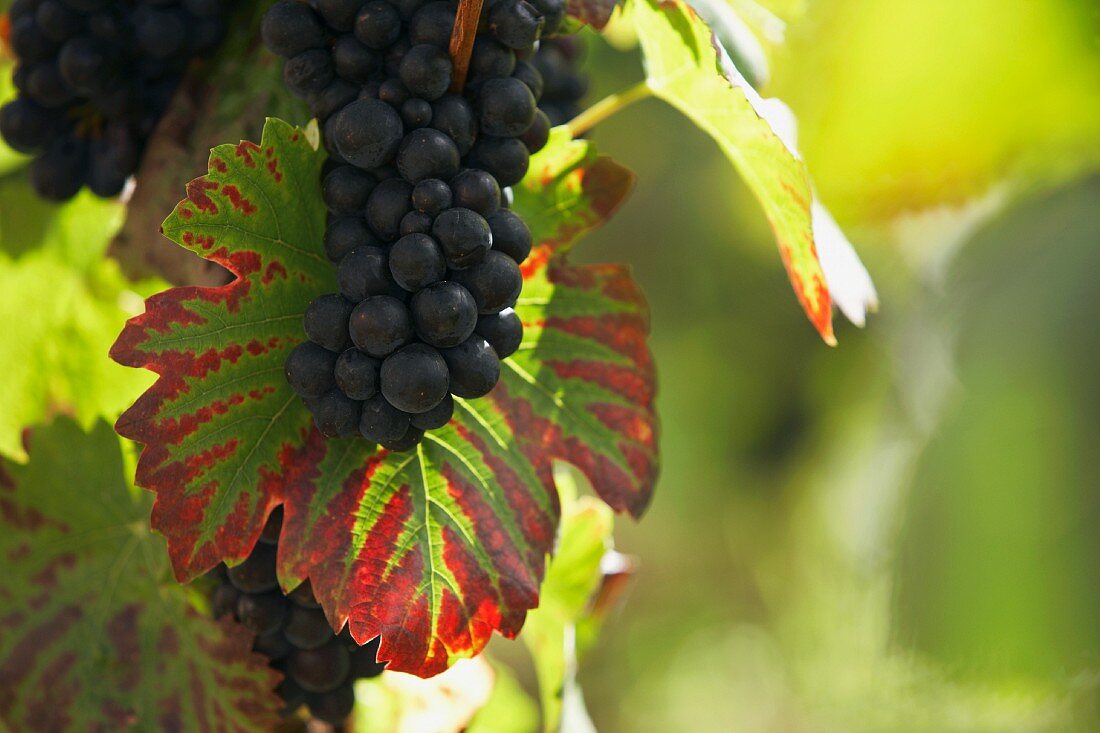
pixel 426 249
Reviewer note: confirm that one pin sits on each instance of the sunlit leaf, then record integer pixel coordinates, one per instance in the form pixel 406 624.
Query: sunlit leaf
pixel 687 68
pixel 94 633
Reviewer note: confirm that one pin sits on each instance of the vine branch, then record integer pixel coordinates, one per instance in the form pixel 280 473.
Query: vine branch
pixel 462 41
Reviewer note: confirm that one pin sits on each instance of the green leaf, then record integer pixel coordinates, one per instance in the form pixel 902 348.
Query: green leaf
pixel 94 634
pixel 434 549
pixel 571 580
pixel 685 67
pixel 509 710
pixel 67 305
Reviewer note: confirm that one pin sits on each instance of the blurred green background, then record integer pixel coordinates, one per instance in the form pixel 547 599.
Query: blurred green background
pixel 897 534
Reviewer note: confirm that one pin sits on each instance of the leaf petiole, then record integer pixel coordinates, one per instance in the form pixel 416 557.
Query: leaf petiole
pixel 608 106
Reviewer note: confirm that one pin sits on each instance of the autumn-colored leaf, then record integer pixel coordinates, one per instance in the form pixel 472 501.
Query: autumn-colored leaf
pixel 433 549
pixel 595 13
pixel 94 633
pixel 688 68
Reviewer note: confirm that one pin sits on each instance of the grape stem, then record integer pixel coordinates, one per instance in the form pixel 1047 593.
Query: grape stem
pixel 462 41
pixel 608 106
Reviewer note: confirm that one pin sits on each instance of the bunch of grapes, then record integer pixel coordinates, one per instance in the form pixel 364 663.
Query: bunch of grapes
pixel 558 60
pixel 319 667
pixel 426 248
pixel 94 78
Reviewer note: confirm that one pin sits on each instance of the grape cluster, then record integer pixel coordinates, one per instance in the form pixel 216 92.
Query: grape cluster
pixel 94 78
pixel 426 247
pixel 558 60
pixel 319 667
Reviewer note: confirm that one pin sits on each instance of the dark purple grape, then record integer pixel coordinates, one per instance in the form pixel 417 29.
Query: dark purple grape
pixel 416 113
pixel 387 206
pixel 353 61
pixel 505 157
pixel 322 669
pixel 303 596
pixel 553 13
pixel 444 314
pixel 510 234
pixel 494 282
pixel 339 14
pixel 474 367
pixel 59 172
pixel 160 34
pixel 436 417
pixel 427 153
pixel 224 600
pixel 332 99
pixel 416 261
pixel 345 234
pixel 308 72
pixel 377 25
pixel 382 422
pixel 26 126
pixel 489 60
pixel 289 28
pixel 272 645
pixel 28 41
pixel 538 133
pixel 464 235
pixel 365 272
pixel 433 23
pixel 46 86
pixel 357 374
pixel 454 117
pixel 346 190
pixel 431 196
pixel 332 707
pixel 367 132
pixel 526 72
pixel 406 442
pixel 416 222
pixel 335 414
pixel 261 613
pixel 380 325
pixel 414 379
pixel 515 23
pixel 503 331
pixel 307 628
pixel 309 370
pixel 58 21
pixel 326 322
pixel 257 573
pixel 426 71
pixel 476 190
pixel 505 107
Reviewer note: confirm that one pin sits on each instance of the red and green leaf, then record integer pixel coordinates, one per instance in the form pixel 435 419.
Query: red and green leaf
pixel 94 633
pixel 435 549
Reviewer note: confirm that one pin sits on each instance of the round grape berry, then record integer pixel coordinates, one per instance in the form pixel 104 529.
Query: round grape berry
pixel 436 417
pixel 387 206
pixel 495 282
pixel 357 374
pixel 289 28
pixel 510 234
pixel 476 190
pixel 415 378
pixel 432 196
pixel 380 325
pixel 309 370
pixel 307 628
pixel 464 235
pixel 426 71
pixel 335 414
pixel 261 613
pixel 365 272
pixel 346 190
pixel 474 367
pixel 444 314
pixel 427 153
pixel 322 669
pixel 377 25
pixel 381 422
pixel 416 261
pixel 503 331
pixel 505 107
pixel 505 157
pixel 515 23
pixel 326 322
pixel 367 132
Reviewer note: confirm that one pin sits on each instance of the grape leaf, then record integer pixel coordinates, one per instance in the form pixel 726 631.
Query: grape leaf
pixel 94 633
pixel 434 549
pixel 687 67
pixel 70 304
